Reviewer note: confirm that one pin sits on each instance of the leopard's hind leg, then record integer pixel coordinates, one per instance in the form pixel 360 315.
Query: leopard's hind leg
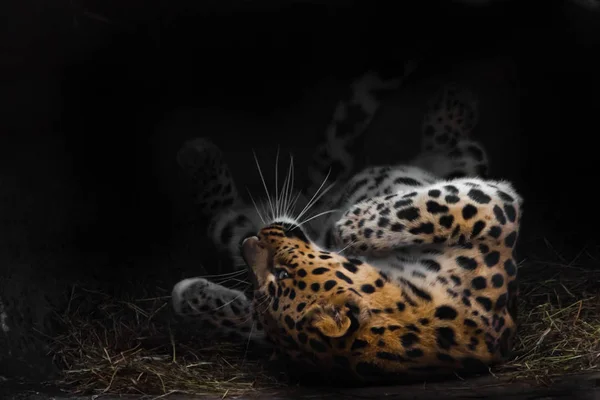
pixel 353 114
pixel 337 154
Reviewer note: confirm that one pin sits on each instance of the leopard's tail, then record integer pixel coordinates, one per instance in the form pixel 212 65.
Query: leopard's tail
pixel 338 155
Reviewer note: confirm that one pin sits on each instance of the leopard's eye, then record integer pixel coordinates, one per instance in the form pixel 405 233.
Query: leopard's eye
pixel 281 274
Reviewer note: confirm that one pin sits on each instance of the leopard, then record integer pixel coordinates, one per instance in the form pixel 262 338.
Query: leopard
pixel 412 274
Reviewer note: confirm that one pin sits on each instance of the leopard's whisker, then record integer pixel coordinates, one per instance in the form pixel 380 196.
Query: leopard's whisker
pixel 265 301
pixel 242 285
pixel 277 199
pixel 283 197
pixel 346 247
pixel 229 302
pixel 245 318
pixel 289 182
pixel 294 201
pixel 264 183
pixel 310 205
pixel 224 282
pixel 256 207
pixel 265 210
pixel 248 342
pixel 316 216
pixel 248 317
pixel 227 274
pixel 237 282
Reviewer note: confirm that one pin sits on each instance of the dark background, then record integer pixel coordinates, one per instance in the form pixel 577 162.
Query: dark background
pixel 88 177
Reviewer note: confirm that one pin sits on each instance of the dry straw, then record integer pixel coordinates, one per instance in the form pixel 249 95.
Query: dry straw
pixel 129 346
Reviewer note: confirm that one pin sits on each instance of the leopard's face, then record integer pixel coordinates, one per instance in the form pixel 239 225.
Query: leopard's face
pixel 305 297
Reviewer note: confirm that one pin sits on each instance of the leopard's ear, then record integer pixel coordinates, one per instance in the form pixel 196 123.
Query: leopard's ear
pixel 335 317
pixel 330 320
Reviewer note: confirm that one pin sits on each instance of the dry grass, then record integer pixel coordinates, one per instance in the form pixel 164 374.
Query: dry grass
pixel 559 316
pixel 115 346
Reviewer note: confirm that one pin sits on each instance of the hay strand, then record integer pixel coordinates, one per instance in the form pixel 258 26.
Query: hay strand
pixel 112 346
pixel 132 346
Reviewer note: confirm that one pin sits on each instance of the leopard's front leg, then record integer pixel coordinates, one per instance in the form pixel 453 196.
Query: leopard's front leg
pixel 217 198
pixel 223 311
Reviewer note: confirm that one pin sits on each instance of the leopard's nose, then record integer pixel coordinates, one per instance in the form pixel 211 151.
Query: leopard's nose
pixel 249 238
pixel 250 249
pixel 256 256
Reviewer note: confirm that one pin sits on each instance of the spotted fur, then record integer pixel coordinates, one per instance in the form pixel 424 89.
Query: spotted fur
pixel 414 275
